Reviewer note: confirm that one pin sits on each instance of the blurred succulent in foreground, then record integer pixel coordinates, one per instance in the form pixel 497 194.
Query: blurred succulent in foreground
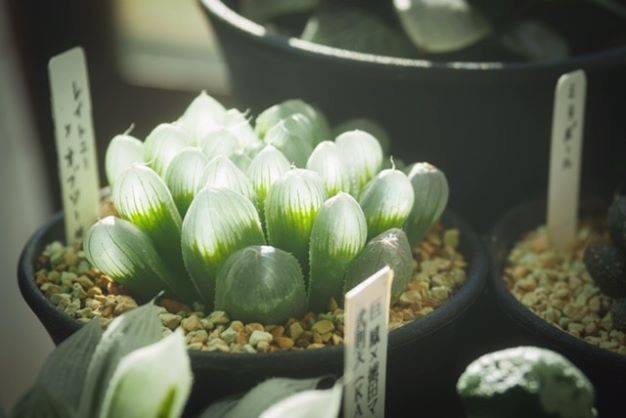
pixel 262 222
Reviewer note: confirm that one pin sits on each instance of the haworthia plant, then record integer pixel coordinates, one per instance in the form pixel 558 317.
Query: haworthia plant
pixel 338 236
pixel 229 208
pixel 123 151
pixel 290 209
pixel 208 239
pixel 261 283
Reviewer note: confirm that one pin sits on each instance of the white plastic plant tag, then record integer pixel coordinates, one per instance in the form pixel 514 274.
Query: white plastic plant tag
pixel 565 158
pixel 365 363
pixel 78 170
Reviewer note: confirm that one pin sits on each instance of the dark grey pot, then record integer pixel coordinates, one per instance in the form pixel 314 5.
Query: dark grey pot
pixel 520 326
pixel 487 125
pixel 425 357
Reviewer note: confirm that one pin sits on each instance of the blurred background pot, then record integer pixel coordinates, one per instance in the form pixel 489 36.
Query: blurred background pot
pixel 487 125
pixel 425 357
pixel 520 326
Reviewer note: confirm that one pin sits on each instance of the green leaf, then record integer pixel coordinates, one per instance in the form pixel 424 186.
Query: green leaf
pixel 338 236
pixel 431 197
pixel 264 10
pixel 123 151
pixel 356 29
pixel 327 161
pixel 260 398
pixel 391 248
pixel 219 142
pixel 325 404
pixel 203 116
pixel 274 114
pixel 163 144
pixel 218 223
pixel 142 197
pixel 265 169
pixel 362 155
pixel 290 210
pixel 124 253
pixel 367 125
pixel 184 177
pixel 261 284
pixel 535 41
pixel 293 137
pixel 135 329
pixel 387 201
pixel 59 385
pixel 151 382
pixel 237 124
pixel 222 173
pixel 440 26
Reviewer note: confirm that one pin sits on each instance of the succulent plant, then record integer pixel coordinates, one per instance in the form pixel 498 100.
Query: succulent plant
pixel 262 222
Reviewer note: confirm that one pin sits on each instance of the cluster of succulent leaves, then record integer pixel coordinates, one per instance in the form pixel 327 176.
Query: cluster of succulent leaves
pixel 606 261
pixel 525 382
pixel 455 29
pixel 265 222
pixel 129 370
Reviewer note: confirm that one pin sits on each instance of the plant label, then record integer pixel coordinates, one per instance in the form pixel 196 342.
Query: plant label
pixel 73 125
pixel 365 362
pixel 568 120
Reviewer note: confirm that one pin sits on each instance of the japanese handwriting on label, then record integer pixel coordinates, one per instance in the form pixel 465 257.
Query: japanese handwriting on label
pixel 565 157
pixel 71 111
pixel 365 365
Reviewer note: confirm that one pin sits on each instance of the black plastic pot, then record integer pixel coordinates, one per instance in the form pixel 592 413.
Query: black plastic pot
pixel 520 326
pixel 425 357
pixel 487 125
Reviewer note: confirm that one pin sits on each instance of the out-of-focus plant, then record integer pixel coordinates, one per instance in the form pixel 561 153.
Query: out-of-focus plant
pixel 129 370
pixel 263 222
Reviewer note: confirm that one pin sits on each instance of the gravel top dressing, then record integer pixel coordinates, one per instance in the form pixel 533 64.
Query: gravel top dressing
pixel 557 287
pixel 65 276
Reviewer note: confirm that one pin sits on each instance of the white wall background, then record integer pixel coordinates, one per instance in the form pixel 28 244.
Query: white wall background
pixel 24 205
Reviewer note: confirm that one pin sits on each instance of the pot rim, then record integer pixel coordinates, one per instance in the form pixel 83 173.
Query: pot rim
pixel 499 248
pixel 225 14
pixel 466 296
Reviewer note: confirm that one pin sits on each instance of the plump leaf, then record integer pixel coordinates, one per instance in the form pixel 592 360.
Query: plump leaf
pixel 260 398
pixel 265 169
pixel 290 210
pixel 219 142
pixel 163 144
pixel 126 254
pixel 362 155
pixel 387 201
pixel 293 137
pixel 431 197
pixel 261 284
pixel 222 173
pixel 218 223
pixel 368 125
pixel 241 160
pixel 142 197
pixel 338 236
pixel 237 124
pixel 440 26
pixel 135 329
pixel 151 382
pixel 59 385
pixel 391 248
pixel 184 177
pixel 327 161
pixel 355 29
pixel 122 152
pixel 535 41
pixel 204 115
pixel 308 404
pixel 274 114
